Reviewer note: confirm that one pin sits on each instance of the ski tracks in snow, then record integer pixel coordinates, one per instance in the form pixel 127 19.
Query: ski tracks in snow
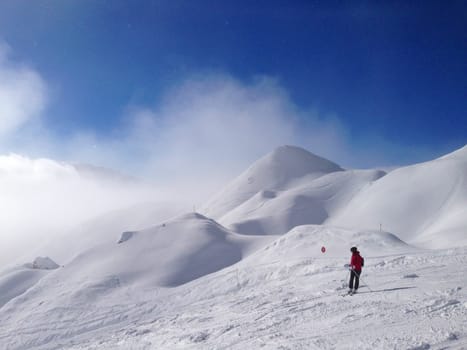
pixel 418 301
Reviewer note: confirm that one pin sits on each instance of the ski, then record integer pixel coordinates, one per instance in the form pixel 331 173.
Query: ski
pixel 348 293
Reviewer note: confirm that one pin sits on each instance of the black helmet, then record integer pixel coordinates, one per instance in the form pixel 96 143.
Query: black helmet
pixel 353 249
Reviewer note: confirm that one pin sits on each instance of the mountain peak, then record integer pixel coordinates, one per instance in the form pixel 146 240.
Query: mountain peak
pixel 285 165
pixel 281 169
pixel 300 159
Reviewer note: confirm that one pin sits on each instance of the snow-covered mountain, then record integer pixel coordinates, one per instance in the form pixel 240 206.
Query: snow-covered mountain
pixel 169 254
pixel 172 253
pixel 282 169
pixel 311 202
pixel 105 228
pixel 250 271
pixel 425 203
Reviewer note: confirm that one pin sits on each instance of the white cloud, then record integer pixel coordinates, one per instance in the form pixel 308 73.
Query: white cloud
pixel 215 124
pixel 23 94
pixel 42 198
pixel 207 130
pixel 200 135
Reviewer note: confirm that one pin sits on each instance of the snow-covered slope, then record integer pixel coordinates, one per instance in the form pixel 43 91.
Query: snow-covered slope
pixel 424 203
pixel 306 241
pixel 417 301
pixel 172 253
pixel 168 254
pixel 105 228
pixel 285 167
pixel 316 200
pixel 285 295
pixel 16 281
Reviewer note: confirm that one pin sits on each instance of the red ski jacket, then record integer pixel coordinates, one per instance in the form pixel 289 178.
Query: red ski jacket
pixel 356 261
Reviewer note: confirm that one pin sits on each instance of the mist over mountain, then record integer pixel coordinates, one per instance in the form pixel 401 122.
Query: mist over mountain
pixel 43 198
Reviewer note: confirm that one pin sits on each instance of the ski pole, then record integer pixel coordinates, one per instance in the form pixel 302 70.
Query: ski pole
pixel 359 277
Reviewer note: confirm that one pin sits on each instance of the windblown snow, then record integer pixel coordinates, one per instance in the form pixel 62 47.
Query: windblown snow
pixel 248 272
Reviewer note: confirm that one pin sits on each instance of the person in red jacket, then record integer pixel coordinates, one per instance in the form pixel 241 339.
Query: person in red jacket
pixel 356 263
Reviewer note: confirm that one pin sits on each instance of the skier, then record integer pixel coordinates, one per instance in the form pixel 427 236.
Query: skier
pixel 356 263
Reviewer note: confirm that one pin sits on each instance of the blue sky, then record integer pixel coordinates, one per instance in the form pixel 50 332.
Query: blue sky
pixel 386 80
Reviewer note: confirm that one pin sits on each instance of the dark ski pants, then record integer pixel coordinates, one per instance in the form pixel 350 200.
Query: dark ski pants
pixel 354 275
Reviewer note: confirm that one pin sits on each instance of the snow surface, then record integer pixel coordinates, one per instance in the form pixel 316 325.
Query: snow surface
pixel 249 273
pixel 425 204
pixel 285 295
pixel 278 170
pixel 169 254
pixel 16 281
pixel 106 228
pixel 314 202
